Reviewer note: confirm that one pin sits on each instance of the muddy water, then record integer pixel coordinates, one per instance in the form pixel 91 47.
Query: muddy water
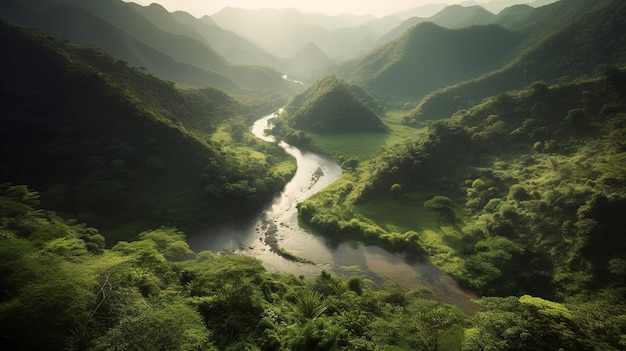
pixel 277 224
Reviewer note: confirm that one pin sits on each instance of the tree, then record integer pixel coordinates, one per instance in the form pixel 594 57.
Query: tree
pixel 444 206
pixel 167 326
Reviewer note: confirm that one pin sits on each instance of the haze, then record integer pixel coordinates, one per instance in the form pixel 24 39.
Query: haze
pixel 330 7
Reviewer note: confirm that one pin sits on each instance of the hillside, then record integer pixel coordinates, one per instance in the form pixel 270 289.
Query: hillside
pixel 283 32
pixel 428 57
pixel 564 39
pixel 127 32
pixel 116 147
pixel 517 195
pixel 331 106
pixel 232 47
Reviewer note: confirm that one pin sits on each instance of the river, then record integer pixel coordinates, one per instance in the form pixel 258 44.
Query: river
pixel 249 236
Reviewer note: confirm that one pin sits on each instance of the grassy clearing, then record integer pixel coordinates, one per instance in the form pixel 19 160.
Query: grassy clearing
pixel 365 146
pixel 361 146
pixel 398 214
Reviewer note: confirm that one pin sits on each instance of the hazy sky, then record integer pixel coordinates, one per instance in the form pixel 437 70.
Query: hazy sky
pixel 378 8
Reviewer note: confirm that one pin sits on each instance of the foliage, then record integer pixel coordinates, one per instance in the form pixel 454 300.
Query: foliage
pixel 537 192
pixel 132 297
pixel 330 105
pixel 121 149
pixel 428 57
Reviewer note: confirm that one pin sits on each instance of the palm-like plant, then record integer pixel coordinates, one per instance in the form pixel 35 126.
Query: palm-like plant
pixel 309 304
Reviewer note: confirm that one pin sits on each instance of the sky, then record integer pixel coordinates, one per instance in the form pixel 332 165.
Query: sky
pixel 378 8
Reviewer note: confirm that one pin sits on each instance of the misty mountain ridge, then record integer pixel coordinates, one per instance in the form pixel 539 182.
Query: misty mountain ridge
pixel 123 30
pixel 428 57
pixel 453 17
pixel 564 39
pixel 282 32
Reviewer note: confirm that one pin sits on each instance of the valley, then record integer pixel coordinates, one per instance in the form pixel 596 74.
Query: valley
pixel 439 178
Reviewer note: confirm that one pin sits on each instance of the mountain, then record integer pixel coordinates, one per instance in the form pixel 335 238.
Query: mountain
pixel 428 57
pixel 114 146
pixel 308 59
pixel 231 46
pixel 283 32
pixel 454 16
pixel 118 28
pixel 167 21
pixel 63 21
pixel 182 48
pixel 567 38
pixel 332 106
pixel 422 11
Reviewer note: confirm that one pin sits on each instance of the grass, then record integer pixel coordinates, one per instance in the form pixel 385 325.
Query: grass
pixel 366 146
pixel 361 146
pixel 405 214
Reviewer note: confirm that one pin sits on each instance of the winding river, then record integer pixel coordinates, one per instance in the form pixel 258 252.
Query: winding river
pixel 278 221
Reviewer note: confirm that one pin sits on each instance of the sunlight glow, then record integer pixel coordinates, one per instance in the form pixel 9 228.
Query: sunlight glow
pixel 330 7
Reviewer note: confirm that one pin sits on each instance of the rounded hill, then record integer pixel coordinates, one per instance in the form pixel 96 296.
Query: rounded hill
pixel 333 106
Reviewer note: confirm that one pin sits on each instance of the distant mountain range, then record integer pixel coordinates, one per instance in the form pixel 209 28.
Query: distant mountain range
pixel 500 52
pixel 134 34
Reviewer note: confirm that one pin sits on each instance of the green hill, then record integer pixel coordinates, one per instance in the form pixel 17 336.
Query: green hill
pixel 428 57
pixel 116 147
pixel 518 195
pixel 564 39
pixel 332 106
pixel 128 32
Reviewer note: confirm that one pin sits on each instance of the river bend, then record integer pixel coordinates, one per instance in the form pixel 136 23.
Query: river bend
pixel 249 236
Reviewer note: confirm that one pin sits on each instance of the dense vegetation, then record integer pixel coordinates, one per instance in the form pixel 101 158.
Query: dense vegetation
pixel 62 289
pixel 120 149
pixel 428 57
pixel 511 178
pixel 521 194
pixel 332 106
pixel 565 40
pixel 135 34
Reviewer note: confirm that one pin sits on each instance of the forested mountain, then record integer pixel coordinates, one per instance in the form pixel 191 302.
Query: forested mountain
pixel 453 16
pixel 116 147
pixel 283 32
pixel 232 47
pixel 577 36
pixel 522 46
pixel 428 57
pixel 123 31
pixel 332 106
pixel 309 59
pixel 509 175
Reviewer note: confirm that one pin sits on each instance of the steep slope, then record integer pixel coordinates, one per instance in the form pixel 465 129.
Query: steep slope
pixel 80 26
pixel 180 47
pixel 115 147
pixel 231 46
pixel 309 58
pixel 457 16
pixel 430 57
pixel 520 194
pixel 567 38
pixel 331 106
pixel 452 17
pixel 160 17
pixel 118 28
pixel 283 31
